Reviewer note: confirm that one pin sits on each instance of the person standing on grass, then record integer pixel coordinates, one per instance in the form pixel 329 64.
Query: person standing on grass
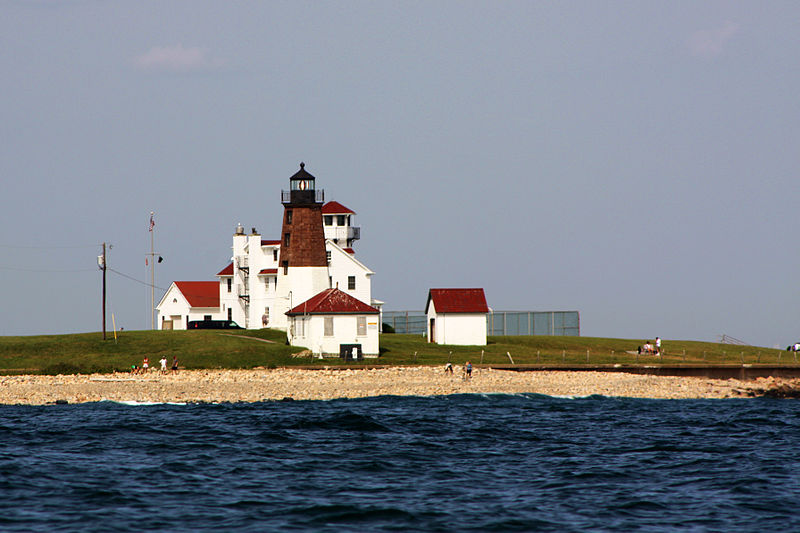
pixel 145 364
pixel 174 364
pixel 163 362
pixel 658 345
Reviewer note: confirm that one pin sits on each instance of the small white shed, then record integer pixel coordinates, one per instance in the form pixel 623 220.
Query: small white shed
pixel 335 323
pixel 457 316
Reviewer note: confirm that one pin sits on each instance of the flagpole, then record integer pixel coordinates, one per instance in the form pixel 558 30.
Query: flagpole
pixel 152 274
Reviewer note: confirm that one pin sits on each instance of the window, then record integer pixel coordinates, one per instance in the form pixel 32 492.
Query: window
pixel 230 282
pixel 288 216
pixel 285 270
pixel 351 283
pixel 286 239
pixel 299 327
pixel 266 284
pixel 340 220
pixel 230 313
pixel 265 317
pixel 328 220
pixel 329 326
pixel 275 254
pixel 206 317
pixel 328 255
pixel 361 326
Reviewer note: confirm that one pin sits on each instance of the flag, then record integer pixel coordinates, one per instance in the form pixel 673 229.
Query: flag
pixel 152 222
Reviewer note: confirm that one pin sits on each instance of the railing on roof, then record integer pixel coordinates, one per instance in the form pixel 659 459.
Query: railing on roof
pixel 319 196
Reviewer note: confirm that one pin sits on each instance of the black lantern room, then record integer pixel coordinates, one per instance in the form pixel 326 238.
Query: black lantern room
pixel 302 188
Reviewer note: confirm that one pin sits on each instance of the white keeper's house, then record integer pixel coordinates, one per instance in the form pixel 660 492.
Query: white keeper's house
pixel 267 278
pixel 457 316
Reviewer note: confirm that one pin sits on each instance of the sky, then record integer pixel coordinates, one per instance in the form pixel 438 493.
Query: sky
pixel 634 161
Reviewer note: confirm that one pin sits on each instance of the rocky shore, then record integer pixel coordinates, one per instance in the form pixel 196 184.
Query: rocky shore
pixel 287 383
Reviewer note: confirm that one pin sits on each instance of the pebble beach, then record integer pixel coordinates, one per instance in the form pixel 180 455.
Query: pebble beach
pixel 285 383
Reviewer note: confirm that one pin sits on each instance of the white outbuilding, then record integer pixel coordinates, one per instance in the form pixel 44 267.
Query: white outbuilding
pixel 333 323
pixel 189 300
pixel 457 316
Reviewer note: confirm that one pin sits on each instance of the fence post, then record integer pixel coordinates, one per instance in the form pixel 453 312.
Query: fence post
pixel 587 355
pixel 563 356
pixel 481 356
pixel 415 357
pixel 509 357
pixel 742 356
pixel 538 360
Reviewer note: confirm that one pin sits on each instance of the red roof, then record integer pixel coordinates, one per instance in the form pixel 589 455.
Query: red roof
pixel 335 208
pixel 269 243
pixel 333 302
pixel 227 271
pixel 457 301
pixel 269 271
pixel 200 293
pixel 349 251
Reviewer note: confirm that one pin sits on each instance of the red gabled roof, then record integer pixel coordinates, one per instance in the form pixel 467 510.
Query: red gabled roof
pixel 457 301
pixel 268 271
pixel 269 243
pixel 335 208
pixel 227 271
pixel 333 302
pixel 200 293
pixel 349 251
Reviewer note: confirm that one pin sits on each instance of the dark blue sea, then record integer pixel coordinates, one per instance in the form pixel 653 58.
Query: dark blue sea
pixel 456 463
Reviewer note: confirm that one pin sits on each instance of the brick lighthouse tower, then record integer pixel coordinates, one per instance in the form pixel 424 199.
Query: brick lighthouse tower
pixel 303 263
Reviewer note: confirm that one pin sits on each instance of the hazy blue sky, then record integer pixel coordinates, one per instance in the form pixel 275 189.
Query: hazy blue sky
pixel 635 161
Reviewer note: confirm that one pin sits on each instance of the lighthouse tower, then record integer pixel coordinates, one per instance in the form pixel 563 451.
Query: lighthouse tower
pixel 303 262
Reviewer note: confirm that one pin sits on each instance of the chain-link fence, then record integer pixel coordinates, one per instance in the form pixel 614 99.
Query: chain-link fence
pixel 498 322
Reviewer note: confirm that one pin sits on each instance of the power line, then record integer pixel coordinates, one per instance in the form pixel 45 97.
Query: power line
pixel 32 247
pixel 134 279
pixel 46 270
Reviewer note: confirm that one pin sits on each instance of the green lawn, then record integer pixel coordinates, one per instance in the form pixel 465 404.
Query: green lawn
pixel 88 352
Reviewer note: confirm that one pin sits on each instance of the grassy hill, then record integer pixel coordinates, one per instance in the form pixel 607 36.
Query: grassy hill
pixel 88 352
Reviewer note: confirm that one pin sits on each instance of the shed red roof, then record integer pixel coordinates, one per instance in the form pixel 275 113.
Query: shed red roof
pixel 335 208
pixel 457 301
pixel 269 243
pixel 227 271
pixel 349 251
pixel 268 271
pixel 200 293
pixel 333 302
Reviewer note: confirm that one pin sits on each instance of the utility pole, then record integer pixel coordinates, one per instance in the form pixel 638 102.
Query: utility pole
pixel 101 262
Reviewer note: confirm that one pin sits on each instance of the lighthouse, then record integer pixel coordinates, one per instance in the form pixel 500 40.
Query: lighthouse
pixel 303 264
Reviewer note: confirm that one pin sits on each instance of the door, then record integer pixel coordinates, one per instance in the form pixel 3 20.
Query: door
pixel 432 336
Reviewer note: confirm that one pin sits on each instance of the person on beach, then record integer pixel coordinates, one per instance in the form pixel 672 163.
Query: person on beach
pixel 448 368
pixel 174 364
pixel 145 364
pixel 163 362
pixel 468 370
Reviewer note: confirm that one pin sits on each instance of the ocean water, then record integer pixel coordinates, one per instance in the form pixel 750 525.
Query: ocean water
pixel 456 463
